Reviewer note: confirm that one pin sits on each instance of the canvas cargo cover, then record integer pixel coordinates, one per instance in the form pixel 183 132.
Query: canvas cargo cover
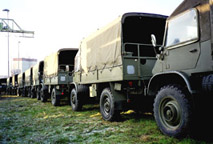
pixel 27 73
pixel 14 80
pixel 35 72
pixel 20 78
pixel 62 56
pixel 51 65
pixel 9 80
pixel 102 49
pixel 27 76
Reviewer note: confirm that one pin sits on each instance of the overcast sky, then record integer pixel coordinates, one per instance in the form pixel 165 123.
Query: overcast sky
pixel 64 23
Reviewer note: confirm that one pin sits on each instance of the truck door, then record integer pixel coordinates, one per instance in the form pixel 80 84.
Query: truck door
pixel 182 48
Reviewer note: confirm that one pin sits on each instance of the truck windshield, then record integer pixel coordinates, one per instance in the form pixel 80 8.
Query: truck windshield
pixel 183 28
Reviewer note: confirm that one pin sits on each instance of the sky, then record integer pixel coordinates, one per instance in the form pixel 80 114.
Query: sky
pixel 64 23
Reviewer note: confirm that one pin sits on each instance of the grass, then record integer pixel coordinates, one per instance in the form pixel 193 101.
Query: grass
pixel 25 120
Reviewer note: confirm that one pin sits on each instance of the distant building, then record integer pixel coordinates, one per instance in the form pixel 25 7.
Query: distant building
pixel 22 64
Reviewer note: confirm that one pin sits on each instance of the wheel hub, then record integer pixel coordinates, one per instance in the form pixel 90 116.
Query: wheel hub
pixel 106 106
pixel 73 99
pixel 170 113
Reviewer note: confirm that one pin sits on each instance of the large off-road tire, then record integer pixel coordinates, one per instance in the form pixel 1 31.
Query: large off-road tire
pixel 173 111
pixel 38 94
pixel 75 101
pixel 43 95
pixel 29 92
pixel 55 99
pixel 32 92
pixel 24 92
pixel 107 106
pixel 80 97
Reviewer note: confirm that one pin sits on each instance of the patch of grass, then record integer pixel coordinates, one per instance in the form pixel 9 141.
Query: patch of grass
pixel 25 120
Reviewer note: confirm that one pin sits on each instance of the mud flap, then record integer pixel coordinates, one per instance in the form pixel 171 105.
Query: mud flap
pixel 119 98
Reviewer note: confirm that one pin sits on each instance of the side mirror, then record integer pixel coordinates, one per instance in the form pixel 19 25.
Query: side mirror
pixel 153 40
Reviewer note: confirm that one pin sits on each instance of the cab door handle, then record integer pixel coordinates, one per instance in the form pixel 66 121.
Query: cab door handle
pixel 193 50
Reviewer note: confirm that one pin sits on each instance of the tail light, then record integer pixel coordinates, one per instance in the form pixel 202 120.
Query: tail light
pixel 130 83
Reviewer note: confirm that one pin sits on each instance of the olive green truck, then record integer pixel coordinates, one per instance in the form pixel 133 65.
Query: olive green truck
pixel 37 79
pixel 21 83
pixel 57 75
pixel 28 82
pixel 119 66
pixel 14 84
pixel 9 86
pixel 115 64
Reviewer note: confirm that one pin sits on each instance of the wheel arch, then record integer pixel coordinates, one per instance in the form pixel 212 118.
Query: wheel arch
pixel 166 78
pixel 73 85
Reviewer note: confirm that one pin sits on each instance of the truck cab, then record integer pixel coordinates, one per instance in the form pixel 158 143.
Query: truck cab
pixel 184 69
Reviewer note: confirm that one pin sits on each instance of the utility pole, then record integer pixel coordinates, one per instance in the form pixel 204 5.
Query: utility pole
pixel 18 55
pixel 8 42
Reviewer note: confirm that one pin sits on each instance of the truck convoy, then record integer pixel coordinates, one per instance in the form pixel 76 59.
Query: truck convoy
pixel 140 61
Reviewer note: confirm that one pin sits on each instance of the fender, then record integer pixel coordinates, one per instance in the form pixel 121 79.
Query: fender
pixel 156 79
pixel 73 84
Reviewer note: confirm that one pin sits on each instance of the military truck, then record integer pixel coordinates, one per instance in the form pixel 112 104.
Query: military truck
pixel 14 84
pixel 57 75
pixel 9 86
pixel 115 64
pixel 37 79
pixel 28 82
pixel 3 85
pixel 21 84
pixel 183 73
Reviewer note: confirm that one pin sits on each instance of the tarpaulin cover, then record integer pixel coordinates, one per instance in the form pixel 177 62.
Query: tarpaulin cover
pixel 51 65
pixel 102 49
pixel 14 80
pixel 27 76
pixel 35 73
pixel 62 56
pixel 20 79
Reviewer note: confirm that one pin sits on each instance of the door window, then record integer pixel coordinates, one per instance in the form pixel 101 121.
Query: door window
pixel 183 28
